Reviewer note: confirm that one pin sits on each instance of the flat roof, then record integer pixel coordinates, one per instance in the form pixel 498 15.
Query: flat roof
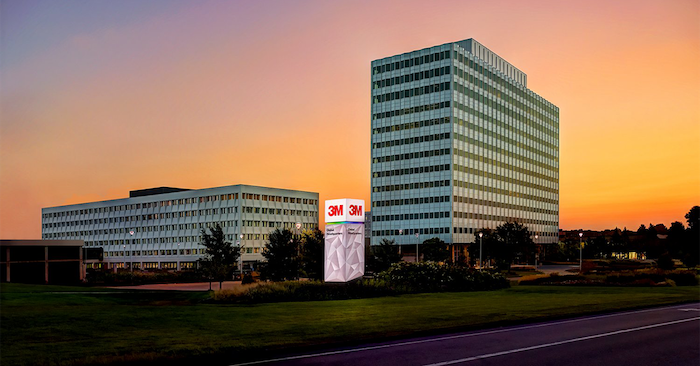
pixel 41 243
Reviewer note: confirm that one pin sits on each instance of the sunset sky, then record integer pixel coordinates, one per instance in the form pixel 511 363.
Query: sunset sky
pixel 102 97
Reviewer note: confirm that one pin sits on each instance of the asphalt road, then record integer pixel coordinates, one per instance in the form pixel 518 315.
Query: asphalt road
pixel 660 336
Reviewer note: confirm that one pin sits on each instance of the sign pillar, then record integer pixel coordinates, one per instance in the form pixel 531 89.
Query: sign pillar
pixel 344 254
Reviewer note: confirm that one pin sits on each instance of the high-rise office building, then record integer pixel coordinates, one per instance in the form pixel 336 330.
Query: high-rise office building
pixel 460 143
pixel 160 227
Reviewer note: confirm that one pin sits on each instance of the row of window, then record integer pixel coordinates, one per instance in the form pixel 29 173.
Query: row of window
pixel 407 186
pixel 412 125
pixel 135 253
pixel 192 226
pixel 413 155
pixel 420 75
pixel 476 201
pixel 488 217
pixel 193 213
pixel 413 92
pixel 203 199
pixel 413 170
pixel 411 110
pixel 470 230
pixel 411 140
pixel 411 201
pixel 497 105
pixel 412 216
pixel 421 231
pixel 504 83
pixel 505 192
pixel 415 61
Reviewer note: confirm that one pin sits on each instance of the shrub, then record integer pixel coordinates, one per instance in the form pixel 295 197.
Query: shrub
pixel 401 278
pixel 435 277
pixel 665 262
pixel 247 279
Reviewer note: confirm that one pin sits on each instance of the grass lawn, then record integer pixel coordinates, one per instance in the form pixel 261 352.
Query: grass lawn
pixel 51 325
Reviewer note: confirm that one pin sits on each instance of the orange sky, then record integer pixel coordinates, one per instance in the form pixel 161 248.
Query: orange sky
pixel 101 98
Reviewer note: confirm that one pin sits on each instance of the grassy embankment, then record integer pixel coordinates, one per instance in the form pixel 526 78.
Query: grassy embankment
pixel 51 325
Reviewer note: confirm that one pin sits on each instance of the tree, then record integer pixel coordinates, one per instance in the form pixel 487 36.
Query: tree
pixel 693 217
pixel 220 256
pixel 435 250
pixel 384 255
pixel 312 257
pixel 676 236
pixel 513 241
pixel 282 255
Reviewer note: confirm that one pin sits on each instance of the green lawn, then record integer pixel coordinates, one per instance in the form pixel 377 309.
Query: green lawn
pixel 50 325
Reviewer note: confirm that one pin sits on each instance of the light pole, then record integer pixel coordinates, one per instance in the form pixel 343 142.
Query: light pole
pixel 481 250
pixel 580 246
pixel 131 259
pixel 240 256
pixel 400 233
pixel 536 251
pixel 416 247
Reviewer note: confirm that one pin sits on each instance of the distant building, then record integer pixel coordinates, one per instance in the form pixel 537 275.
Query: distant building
pixel 460 143
pixel 160 227
pixel 42 261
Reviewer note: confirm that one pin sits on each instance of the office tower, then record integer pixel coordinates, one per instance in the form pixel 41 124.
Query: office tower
pixel 460 143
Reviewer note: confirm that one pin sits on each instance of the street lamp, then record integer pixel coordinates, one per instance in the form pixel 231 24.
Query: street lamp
pixel 536 251
pixel 481 249
pixel 416 247
pixel 580 246
pixel 240 255
pixel 400 233
pixel 131 259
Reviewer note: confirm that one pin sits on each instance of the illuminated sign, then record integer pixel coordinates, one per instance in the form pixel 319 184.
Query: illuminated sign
pixel 344 249
pixel 345 210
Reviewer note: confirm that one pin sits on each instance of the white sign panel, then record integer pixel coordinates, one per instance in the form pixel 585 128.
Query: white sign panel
pixel 344 252
pixel 345 210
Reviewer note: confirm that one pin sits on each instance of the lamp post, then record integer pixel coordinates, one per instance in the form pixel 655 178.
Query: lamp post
pixel 240 256
pixel 481 250
pixel 416 247
pixel 131 259
pixel 580 246
pixel 536 251
pixel 400 233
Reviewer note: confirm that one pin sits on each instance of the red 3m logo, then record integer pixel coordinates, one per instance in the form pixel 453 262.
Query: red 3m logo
pixel 355 210
pixel 335 210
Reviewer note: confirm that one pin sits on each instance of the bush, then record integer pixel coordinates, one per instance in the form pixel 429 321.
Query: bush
pixel 434 277
pixel 665 261
pixel 108 277
pixel 643 277
pixel 247 279
pixel 401 278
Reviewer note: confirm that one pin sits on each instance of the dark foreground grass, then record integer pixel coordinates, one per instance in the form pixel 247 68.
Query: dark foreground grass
pixel 46 325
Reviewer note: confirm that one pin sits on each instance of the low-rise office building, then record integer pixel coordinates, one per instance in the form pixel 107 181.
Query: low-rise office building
pixel 42 261
pixel 161 227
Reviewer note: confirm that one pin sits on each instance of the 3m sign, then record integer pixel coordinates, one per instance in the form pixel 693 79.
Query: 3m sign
pixel 344 249
pixel 345 210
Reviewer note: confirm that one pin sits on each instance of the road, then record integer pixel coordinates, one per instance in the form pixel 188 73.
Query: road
pixel 659 336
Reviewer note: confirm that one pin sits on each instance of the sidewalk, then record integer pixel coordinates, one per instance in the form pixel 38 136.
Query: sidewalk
pixel 195 286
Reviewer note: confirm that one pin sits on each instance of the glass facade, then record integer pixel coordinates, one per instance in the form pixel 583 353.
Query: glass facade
pixel 460 143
